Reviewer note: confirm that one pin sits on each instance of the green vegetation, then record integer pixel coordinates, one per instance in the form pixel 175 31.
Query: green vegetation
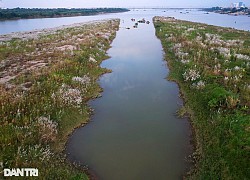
pixel 23 13
pixel 211 65
pixel 45 85
pixel 242 10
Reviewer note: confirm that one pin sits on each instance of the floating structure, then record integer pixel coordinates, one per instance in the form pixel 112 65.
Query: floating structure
pixel 142 21
pixel 136 25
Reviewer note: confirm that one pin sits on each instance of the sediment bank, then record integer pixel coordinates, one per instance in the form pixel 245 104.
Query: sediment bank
pixel 46 79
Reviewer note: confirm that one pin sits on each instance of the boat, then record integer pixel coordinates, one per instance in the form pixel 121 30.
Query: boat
pixel 136 25
pixel 142 21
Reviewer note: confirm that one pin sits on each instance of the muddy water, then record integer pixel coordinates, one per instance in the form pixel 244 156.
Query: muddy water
pixel 195 15
pixel 134 133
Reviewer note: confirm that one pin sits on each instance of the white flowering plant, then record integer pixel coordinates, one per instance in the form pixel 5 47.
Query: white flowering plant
pixel 191 75
pixel 68 96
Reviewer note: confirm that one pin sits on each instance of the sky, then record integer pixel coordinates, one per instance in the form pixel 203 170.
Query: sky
pixel 117 3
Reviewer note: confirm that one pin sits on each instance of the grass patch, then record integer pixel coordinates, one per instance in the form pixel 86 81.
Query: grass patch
pixel 53 77
pixel 211 65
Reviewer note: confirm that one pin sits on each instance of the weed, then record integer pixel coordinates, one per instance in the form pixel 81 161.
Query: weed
pixel 46 82
pixel 211 66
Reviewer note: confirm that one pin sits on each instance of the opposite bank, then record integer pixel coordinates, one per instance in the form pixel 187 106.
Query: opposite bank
pixel 211 65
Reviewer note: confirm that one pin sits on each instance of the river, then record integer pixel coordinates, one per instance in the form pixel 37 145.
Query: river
pixel 238 22
pixel 134 133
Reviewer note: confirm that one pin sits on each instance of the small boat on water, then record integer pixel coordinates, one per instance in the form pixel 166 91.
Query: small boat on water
pixel 147 22
pixel 142 21
pixel 136 25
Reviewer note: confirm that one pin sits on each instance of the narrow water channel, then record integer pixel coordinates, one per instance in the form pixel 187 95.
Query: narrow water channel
pixel 134 133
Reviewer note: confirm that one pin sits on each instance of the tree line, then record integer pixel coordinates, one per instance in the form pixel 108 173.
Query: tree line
pixel 24 13
pixel 228 10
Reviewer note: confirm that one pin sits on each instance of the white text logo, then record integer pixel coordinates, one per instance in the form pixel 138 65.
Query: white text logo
pixel 20 172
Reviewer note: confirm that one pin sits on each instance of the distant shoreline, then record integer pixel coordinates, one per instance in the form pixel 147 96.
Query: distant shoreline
pixel 229 11
pixel 28 13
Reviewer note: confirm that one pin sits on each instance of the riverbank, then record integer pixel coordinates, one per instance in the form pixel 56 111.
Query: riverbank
pixel 230 11
pixel 36 34
pixel 46 80
pixel 32 13
pixel 211 66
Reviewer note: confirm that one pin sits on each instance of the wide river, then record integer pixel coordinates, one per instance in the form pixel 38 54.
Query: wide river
pixel 238 22
pixel 134 133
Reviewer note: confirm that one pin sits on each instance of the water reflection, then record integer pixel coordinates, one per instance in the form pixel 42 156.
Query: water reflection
pixel 135 133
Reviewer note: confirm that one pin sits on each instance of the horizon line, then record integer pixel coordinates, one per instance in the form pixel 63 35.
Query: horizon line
pixel 131 7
